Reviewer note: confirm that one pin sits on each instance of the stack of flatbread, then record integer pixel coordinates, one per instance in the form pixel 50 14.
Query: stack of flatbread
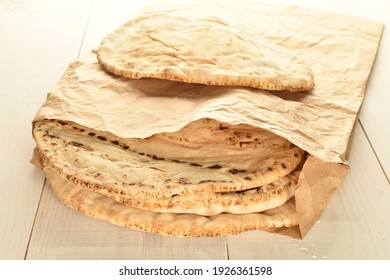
pixel 209 178
pixel 203 176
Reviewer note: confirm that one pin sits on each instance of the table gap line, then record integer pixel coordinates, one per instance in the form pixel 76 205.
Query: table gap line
pixel 35 218
pixel 85 29
pixel 375 153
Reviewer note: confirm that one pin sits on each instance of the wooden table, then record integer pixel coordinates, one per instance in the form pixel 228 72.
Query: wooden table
pixel 37 41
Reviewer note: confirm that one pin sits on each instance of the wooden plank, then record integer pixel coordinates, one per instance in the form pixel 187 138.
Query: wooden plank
pixel 355 225
pixel 375 113
pixel 105 17
pixel 62 233
pixel 37 41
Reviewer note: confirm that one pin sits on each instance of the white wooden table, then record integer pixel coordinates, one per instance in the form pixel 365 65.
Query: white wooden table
pixel 37 41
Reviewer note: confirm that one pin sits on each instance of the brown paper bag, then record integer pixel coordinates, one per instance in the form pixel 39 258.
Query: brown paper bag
pixel 339 49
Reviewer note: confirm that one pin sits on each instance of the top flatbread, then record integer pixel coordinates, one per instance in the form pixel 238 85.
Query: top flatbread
pixel 200 49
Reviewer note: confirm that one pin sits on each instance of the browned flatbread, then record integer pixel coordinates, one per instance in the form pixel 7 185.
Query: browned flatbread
pixel 200 49
pixel 101 161
pixel 249 201
pixel 183 225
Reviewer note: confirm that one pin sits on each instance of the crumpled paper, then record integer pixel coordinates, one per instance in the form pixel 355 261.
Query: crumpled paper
pixel 339 49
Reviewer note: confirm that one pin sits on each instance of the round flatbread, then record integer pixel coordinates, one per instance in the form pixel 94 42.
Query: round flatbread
pixel 207 204
pixel 101 161
pixel 200 49
pixel 183 225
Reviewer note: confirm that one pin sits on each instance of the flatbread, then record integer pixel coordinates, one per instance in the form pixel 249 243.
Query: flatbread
pixel 101 161
pixel 192 48
pixel 207 204
pixel 182 225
